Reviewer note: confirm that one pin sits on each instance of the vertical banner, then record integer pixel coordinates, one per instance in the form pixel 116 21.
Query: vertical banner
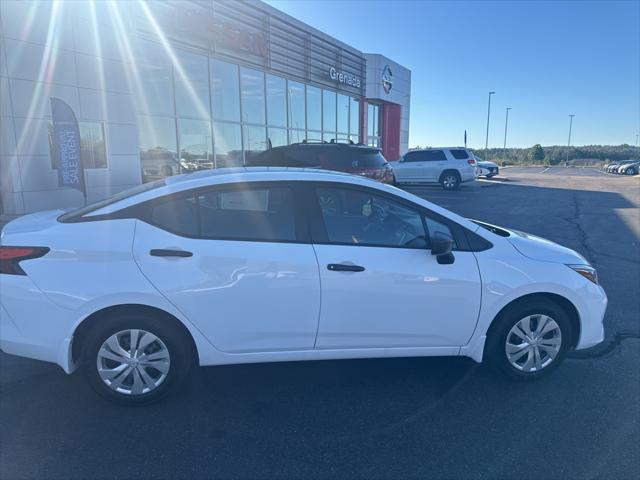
pixel 66 141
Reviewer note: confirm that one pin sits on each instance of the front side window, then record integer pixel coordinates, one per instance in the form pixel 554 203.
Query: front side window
pixel 178 215
pixel 434 226
pixel 414 157
pixel 356 217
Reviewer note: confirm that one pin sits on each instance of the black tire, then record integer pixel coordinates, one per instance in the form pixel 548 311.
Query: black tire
pixel 450 180
pixel 180 352
pixel 167 171
pixel 630 171
pixel 496 349
pixel 489 175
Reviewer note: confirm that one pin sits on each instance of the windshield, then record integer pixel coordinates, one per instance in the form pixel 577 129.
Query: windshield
pixel 145 187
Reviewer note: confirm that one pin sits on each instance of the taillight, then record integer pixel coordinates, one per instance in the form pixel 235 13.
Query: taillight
pixel 10 258
pixel 471 161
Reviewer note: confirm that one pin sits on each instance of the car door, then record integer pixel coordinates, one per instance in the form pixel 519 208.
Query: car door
pixel 435 162
pixel 381 287
pixel 411 168
pixel 233 261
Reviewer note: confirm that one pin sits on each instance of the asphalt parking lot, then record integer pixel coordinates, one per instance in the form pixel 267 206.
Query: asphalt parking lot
pixel 399 418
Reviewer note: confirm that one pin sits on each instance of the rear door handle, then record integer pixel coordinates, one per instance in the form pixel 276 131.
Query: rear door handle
pixel 160 252
pixel 341 267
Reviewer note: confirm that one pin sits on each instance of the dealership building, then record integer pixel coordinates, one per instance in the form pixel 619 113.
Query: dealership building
pixel 160 88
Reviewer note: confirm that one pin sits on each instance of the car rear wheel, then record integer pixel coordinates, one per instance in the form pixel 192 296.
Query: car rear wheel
pixel 529 340
pixel 450 180
pixel 136 359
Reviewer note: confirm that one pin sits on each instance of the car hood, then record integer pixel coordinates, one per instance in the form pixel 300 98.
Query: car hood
pixel 536 248
pixel 544 250
pixel 487 164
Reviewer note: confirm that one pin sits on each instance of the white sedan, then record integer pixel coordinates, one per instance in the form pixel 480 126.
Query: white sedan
pixel 263 265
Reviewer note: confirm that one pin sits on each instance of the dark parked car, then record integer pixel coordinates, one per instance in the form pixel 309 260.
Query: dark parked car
pixel 351 158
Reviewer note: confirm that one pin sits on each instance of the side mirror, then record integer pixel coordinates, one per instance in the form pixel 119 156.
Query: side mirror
pixel 441 246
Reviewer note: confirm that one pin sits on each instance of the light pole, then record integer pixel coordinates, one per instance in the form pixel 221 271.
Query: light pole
pixel 504 148
pixel 566 163
pixel 486 143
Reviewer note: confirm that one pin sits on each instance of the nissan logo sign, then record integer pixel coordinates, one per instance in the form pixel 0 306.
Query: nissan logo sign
pixel 387 79
pixel 345 78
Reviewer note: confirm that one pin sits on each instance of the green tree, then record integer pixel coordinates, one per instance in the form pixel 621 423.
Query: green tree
pixel 536 153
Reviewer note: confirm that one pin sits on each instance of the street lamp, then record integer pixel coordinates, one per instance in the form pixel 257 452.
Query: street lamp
pixel 504 148
pixel 486 143
pixel 566 163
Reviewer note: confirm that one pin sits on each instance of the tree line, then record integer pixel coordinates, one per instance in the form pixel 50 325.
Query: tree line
pixel 557 154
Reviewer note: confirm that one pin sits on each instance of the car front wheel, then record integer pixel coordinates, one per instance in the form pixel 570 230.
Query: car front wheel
pixel 529 340
pixel 135 359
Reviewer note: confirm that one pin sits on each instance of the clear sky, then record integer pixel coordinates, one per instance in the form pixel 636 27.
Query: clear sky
pixel 545 59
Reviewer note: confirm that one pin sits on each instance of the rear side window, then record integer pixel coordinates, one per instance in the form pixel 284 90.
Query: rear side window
pixel 75 215
pixel 178 215
pixel 260 214
pixel 264 214
pixel 434 156
pixel 459 154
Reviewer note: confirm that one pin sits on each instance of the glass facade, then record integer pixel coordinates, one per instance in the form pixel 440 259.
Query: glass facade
pixel 373 125
pixel 204 113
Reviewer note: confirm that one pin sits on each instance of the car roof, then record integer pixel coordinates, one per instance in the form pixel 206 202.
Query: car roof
pixel 221 176
pixel 358 146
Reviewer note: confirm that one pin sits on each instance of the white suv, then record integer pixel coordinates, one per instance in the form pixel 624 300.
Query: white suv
pixel 447 166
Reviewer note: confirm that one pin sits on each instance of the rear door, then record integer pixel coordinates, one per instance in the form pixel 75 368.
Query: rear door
pixel 235 261
pixel 435 163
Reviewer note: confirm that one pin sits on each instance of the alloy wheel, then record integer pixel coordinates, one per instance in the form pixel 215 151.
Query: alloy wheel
pixel 533 343
pixel 133 362
pixel 450 181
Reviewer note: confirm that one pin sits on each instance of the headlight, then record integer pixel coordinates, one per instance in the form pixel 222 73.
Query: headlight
pixel 586 271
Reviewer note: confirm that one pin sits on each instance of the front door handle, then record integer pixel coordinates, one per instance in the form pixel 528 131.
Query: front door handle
pixel 161 252
pixel 341 267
